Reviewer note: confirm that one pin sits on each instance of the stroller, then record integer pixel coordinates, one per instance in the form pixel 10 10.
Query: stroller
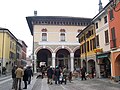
pixel 61 78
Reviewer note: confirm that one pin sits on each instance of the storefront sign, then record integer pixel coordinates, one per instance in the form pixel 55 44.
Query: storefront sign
pixel 98 50
pixel 102 56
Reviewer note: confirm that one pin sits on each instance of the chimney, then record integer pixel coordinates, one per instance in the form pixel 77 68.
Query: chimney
pixel 35 13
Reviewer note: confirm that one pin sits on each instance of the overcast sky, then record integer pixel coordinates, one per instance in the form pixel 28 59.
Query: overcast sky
pixel 13 13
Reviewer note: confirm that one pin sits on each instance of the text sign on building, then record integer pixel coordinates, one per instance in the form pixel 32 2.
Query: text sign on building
pixel 98 50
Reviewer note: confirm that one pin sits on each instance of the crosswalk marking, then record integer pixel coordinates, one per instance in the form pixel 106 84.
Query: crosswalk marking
pixel 1 82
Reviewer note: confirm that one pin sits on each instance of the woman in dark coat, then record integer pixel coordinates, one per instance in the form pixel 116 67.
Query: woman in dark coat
pixel 14 77
pixel 25 78
pixel 83 73
pixel 49 75
pixel 57 75
pixel 30 74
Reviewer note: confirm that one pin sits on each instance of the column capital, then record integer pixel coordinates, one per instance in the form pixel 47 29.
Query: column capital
pixel 71 54
pixel 53 54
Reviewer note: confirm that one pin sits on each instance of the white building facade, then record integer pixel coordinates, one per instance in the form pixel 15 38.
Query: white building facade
pixel 102 43
pixel 54 40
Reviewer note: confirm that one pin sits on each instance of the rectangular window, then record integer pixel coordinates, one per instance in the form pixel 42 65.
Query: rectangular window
pixel 82 49
pixel 106 37
pixel 79 40
pixel 44 36
pixel 92 32
pixel 91 46
pixel 113 37
pixel 88 46
pixel 97 40
pixel 96 25
pixel 94 43
pixel 62 37
pixel 111 14
pixel 105 19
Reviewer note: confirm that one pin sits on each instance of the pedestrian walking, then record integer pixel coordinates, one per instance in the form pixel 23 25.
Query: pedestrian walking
pixel 70 76
pixel 83 73
pixel 25 77
pixel 4 70
pixel 49 75
pixel 42 71
pixel 14 76
pixel 57 75
pixel 19 75
pixel 65 73
pixel 30 74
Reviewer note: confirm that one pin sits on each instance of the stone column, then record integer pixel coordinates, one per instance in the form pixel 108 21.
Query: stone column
pixel 53 59
pixel 72 61
pixel 97 69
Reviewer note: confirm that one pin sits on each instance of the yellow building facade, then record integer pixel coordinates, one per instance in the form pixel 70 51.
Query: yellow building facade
pixel 7 49
pixel 87 46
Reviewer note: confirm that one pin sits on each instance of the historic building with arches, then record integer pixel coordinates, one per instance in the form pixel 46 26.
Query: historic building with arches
pixel 54 40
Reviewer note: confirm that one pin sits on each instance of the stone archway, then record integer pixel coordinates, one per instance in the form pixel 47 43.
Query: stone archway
pixel 62 58
pixel 91 63
pixel 117 66
pixel 44 55
pixel 77 60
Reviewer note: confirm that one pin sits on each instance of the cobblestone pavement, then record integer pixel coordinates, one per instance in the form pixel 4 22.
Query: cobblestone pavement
pixel 77 84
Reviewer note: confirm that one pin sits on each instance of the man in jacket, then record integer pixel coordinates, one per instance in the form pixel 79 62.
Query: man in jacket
pixel 19 74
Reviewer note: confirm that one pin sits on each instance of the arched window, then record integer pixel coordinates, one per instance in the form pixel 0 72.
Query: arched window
pixel 44 30
pixel 62 30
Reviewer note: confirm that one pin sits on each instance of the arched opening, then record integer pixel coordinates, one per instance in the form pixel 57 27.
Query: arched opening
pixel 117 66
pixel 105 67
pixel 44 55
pixel 77 60
pixel 91 65
pixel 62 58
